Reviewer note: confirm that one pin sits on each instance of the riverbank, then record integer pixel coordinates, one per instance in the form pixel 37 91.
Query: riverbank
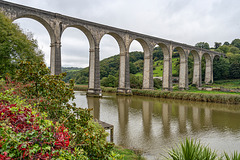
pixel 191 95
pixel 128 154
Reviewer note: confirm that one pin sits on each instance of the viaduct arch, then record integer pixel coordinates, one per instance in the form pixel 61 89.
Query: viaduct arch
pixel 56 24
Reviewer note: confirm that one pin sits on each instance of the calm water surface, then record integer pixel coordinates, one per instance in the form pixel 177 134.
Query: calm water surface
pixel 155 125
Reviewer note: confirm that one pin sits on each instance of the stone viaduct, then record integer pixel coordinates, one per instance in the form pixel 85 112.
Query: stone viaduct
pixel 56 24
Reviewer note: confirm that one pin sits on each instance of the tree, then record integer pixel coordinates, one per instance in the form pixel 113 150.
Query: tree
pixel 220 68
pixel 224 49
pixel 15 46
pixel 234 50
pixel 109 81
pixel 203 45
pixel 217 45
pixel 136 81
pixel 157 54
pixel 236 43
pixel 226 43
pixel 133 68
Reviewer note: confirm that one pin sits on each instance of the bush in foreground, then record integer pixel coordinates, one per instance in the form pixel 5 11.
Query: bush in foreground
pixel 27 134
pixel 193 150
pixel 48 94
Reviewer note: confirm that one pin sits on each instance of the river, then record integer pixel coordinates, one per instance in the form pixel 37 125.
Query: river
pixel 154 125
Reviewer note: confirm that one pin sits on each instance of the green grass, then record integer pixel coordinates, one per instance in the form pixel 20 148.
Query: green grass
pixel 158 65
pixel 139 74
pixel 211 92
pixel 128 154
pixel 195 90
pixel 231 84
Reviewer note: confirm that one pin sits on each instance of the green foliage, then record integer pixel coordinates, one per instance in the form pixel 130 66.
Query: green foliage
pixel 15 46
pixel 191 149
pixel 157 54
pixel 190 68
pixel 49 94
pixel 204 45
pixel 224 49
pixel 234 50
pixel 234 156
pixel 217 45
pixel 226 43
pixel 236 43
pixel 27 134
pixel 202 96
pixel 136 81
pixel 127 154
pixel 157 83
pixel 221 68
pixel 109 81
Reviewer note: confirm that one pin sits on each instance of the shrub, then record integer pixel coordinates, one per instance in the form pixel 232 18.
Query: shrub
pixel 27 134
pixel 191 149
pixel 49 94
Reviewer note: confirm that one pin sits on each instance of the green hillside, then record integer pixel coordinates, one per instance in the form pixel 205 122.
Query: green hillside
pixel 224 68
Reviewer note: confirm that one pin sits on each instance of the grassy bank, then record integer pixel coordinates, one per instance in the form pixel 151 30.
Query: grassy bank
pixel 128 154
pixel 187 95
pixel 192 95
pixel 229 83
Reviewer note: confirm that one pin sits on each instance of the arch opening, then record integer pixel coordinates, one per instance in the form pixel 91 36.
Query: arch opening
pixel 179 66
pixel 41 21
pixel 36 30
pixel 166 68
pixel 194 69
pixel 75 55
pixel 207 69
pixel 159 52
pixel 111 49
pixel 136 63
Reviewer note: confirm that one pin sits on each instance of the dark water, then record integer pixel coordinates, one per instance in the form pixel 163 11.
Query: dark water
pixel 155 125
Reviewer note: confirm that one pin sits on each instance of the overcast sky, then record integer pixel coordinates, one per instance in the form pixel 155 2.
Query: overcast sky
pixel 185 21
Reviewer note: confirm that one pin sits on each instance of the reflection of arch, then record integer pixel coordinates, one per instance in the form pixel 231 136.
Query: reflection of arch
pixel 43 22
pixel 208 68
pixel 87 33
pixel 196 67
pixel 167 65
pixel 183 69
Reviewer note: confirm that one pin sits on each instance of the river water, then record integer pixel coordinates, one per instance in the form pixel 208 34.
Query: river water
pixel 154 125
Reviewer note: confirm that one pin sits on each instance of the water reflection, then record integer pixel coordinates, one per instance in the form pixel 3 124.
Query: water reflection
pixel 166 117
pixel 94 104
pixel 182 118
pixel 154 125
pixel 147 108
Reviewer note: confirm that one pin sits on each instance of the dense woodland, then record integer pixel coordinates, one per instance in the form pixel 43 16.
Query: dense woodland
pixel 224 67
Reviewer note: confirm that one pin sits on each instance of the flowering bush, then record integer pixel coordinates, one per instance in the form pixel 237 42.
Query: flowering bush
pixel 26 134
pixel 49 95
